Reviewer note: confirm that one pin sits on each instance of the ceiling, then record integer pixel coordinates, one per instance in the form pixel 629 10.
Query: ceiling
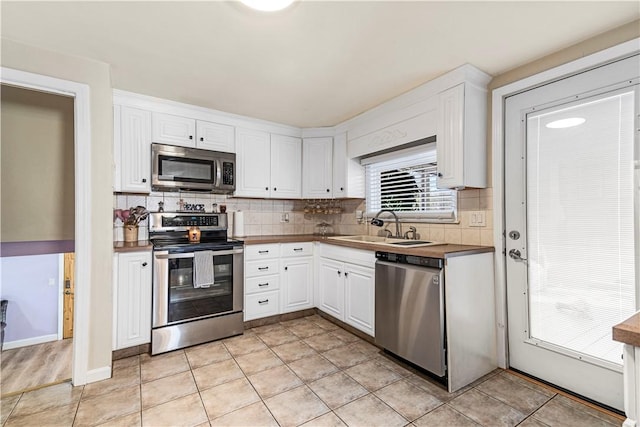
pixel 315 64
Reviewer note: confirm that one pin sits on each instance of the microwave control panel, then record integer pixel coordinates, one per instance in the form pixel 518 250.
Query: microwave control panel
pixel 227 173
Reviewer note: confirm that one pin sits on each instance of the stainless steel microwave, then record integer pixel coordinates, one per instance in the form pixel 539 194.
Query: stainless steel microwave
pixel 191 169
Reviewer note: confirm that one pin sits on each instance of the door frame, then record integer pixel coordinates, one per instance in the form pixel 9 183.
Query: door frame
pixel 498 96
pixel 82 163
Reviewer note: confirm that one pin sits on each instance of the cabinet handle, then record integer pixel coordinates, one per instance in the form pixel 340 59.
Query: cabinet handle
pixel 346 274
pixel 201 139
pixel 264 301
pixel 260 285
pixel 144 264
pixel 297 249
pixel 263 252
pixel 266 188
pixel 263 268
pixel 144 180
pixel 286 269
pixel 275 189
pixel 341 188
pixel 190 136
pixel 328 190
pixel 339 273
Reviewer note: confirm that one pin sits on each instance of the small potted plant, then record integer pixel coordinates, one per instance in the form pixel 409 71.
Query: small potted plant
pixel 131 219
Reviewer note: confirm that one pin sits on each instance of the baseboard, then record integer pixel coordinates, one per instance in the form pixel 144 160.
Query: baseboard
pixel 29 341
pixel 99 374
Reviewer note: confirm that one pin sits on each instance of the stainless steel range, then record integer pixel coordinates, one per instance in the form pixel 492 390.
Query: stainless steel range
pixel 198 276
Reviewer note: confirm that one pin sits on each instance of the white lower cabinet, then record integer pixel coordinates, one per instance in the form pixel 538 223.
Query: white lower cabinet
pixel 278 279
pixel 297 284
pixel 132 295
pixel 346 286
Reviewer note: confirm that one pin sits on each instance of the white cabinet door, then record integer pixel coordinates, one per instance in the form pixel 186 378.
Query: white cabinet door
pixel 297 284
pixel 359 298
pixel 449 139
pixel 317 159
pixel 215 136
pixel 331 288
pixel 133 300
pixel 253 156
pixel 174 130
pixel 348 174
pixel 286 167
pixel 133 150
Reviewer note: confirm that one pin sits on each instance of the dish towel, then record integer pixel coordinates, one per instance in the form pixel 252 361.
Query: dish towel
pixel 203 269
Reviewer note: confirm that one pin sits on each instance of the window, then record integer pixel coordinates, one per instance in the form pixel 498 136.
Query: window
pixel 405 182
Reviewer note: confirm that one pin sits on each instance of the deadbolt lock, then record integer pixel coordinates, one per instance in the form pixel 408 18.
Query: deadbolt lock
pixel 514 235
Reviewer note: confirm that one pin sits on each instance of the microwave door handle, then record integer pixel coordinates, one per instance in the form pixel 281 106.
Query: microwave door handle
pixel 218 181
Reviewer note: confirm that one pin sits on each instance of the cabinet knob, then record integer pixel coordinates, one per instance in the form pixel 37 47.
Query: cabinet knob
pixel 346 274
pixel 190 136
pixel 339 272
pixel 266 188
pixel 144 264
pixel 144 180
pixel 286 269
pixel 439 174
pixel 275 189
pixel 341 188
pixel 328 190
pixel 201 139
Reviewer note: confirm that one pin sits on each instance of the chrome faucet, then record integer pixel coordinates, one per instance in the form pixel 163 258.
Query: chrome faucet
pixel 379 223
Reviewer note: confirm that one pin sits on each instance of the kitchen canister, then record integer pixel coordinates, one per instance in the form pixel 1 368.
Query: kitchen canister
pixel 238 224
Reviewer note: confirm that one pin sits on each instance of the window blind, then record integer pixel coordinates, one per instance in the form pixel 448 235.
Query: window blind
pixel 405 182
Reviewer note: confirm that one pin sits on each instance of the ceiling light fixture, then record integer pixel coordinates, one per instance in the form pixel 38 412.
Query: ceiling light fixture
pixel 566 123
pixel 267 5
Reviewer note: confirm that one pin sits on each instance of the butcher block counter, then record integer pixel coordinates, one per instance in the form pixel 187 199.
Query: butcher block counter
pixel 439 251
pixel 628 332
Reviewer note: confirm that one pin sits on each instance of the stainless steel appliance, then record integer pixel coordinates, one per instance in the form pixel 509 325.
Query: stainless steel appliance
pixel 197 287
pixel 409 313
pixel 181 168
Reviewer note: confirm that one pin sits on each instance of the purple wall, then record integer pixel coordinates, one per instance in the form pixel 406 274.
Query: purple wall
pixel 33 303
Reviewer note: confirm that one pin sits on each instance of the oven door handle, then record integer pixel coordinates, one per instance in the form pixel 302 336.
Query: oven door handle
pixel 191 254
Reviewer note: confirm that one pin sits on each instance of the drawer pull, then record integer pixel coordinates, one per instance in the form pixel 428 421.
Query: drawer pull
pixel 264 301
pixel 297 249
pixel 263 252
pixel 263 268
pixel 263 284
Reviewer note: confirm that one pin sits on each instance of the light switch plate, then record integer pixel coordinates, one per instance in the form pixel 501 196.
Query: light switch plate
pixel 477 219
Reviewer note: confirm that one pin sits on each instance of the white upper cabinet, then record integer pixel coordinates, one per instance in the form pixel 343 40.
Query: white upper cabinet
pixel 132 150
pixel 174 130
pixel 286 167
pixel 215 136
pixel 461 137
pixel 317 167
pixel 268 165
pixel 188 132
pixel 348 174
pixel 253 154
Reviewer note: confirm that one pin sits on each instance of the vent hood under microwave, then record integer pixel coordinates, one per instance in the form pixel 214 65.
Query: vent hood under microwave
pixel 191 169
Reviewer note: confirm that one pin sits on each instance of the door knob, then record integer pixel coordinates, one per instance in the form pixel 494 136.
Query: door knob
pixel 67 292
pixel 515 254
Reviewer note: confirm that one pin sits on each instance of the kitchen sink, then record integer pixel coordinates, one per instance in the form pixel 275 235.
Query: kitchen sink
pixel 388 241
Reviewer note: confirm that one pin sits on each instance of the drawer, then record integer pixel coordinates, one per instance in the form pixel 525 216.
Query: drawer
pixel 262 304
pixel 261 268
pixel 261 284
pixel 296 249
pixel 255 252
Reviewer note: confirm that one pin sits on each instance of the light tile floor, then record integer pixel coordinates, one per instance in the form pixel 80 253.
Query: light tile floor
pixel 305 372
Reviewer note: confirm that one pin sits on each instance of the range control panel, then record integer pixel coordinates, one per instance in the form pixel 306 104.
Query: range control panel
pixel 190 220
pixel 410 259
pixel 174 221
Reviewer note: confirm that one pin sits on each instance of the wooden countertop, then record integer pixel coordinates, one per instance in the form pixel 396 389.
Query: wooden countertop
pixel 140 245
pixel 628 331
pixel 439 251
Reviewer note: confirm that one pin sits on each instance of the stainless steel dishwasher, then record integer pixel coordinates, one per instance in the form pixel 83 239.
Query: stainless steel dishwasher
pixel 409 315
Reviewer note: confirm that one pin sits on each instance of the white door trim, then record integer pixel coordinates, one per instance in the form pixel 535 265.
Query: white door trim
pixel 82 145
pixel 497 114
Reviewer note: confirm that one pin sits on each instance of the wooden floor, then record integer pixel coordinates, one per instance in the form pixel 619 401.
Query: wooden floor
pixel 32 367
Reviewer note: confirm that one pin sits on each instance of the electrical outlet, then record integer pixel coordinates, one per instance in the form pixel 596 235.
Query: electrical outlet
pixel 284 217
pixel 477 219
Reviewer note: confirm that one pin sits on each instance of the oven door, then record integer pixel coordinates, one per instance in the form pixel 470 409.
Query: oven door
pixel 177 300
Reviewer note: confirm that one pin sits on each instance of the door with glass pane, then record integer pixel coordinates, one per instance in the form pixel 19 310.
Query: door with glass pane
pixel 570 228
